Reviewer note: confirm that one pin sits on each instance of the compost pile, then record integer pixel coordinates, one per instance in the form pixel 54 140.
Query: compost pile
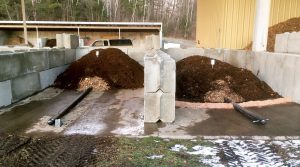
pixel 111 68
pixel 197 81
pixel 290 25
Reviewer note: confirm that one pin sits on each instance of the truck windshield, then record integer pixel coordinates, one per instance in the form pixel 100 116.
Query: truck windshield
pixel 120 42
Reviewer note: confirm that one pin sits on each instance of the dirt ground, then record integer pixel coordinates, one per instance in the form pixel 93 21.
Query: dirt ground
pixel 112 65
pixel 197 81
pixel 83 151
pixel 290 25
pixel 55 151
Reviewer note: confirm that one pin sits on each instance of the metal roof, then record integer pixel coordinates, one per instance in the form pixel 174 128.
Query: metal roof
pixel 82 25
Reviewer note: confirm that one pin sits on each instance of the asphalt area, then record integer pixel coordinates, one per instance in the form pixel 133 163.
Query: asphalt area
pixel 107 129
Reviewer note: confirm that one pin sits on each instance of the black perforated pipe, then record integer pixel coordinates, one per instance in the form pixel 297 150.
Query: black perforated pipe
pixel 69 107
pixel 255 118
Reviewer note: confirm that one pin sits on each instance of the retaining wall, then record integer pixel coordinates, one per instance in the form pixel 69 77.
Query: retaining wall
pixel 288 43
pixel 135 53
pixel 25 72
pixel 278 70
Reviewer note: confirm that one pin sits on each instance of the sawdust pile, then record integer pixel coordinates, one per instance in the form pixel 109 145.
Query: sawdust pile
pixel 290 25
pixel 197 81
pixel 97 83
pixel 103 69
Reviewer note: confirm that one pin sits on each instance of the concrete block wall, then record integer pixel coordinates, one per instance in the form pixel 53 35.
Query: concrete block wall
pixel 24 73
pixel 288 43
pixel 159 87
pixel 278 70
pixel 68 41
pixel 135 53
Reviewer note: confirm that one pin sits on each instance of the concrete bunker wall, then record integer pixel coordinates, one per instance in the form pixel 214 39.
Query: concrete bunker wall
pixel 278 70
pixel 25 72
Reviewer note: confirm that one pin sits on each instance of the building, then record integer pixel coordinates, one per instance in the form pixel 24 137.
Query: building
pixel 230 23
pixel 139 33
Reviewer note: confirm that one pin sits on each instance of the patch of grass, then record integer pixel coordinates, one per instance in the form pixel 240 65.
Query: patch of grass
pixel 134 152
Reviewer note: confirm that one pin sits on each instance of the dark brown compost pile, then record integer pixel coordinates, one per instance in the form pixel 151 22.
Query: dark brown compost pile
pixel 197 81
pixel 115 67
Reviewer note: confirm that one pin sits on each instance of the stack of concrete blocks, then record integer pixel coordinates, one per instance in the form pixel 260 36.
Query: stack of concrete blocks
pixel 24 73
pixel 287 43
pixel 68 41
pixel 160 86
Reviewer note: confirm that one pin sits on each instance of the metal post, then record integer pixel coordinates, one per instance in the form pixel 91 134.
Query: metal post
pixel 24 22
pixel 37 36
pixel 119 33
pixel 261 25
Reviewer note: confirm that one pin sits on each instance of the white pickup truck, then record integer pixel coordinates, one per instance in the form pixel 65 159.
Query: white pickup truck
pixel 112 43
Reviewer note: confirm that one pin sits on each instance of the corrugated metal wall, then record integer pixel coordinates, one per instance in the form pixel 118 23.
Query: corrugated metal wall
pixel 229 23
pixel 282 10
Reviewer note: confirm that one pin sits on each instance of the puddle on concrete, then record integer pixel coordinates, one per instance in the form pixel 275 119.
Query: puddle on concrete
pixel 284 121
pixel 24 115
pixel 120 112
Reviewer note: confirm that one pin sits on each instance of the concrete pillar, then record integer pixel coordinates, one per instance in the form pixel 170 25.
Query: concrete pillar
pixel 160 80
pixel 261 25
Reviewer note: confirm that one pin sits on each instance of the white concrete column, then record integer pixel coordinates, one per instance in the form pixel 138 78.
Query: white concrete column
pixel 261 25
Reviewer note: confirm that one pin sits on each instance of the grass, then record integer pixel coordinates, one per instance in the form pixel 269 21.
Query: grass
pixel 134 152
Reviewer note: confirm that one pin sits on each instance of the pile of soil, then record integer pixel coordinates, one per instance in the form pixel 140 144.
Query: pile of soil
pixel 112 65
pixel 290 25
pixel 197 81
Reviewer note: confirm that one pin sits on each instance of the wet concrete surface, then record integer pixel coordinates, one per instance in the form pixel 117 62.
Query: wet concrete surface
pixel 21 117
pixel 284 121
pixel 120 113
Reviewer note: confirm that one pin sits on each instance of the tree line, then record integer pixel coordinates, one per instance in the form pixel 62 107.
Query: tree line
pixel 178 16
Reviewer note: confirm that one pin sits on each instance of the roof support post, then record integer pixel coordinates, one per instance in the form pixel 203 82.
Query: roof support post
pixel 261 25
pixel 24 22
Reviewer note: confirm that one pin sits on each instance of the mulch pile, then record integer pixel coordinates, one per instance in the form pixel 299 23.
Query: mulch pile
pixel 286 26
pixel 197 81
pixel 114 67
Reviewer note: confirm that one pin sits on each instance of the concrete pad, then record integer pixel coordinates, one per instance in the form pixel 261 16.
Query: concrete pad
pixel 152 72
pixel 25 85
pixel 152 107
pixel 7 61
pixel 56 58
pixel 102 114
pixel 5 93
pixel 281 43
pixel 70 56
pixel 293 45
pixel 48 77
pixel 167 107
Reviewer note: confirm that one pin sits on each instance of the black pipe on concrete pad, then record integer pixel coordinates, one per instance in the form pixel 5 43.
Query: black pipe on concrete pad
pixel 66 110
pixel 250 115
